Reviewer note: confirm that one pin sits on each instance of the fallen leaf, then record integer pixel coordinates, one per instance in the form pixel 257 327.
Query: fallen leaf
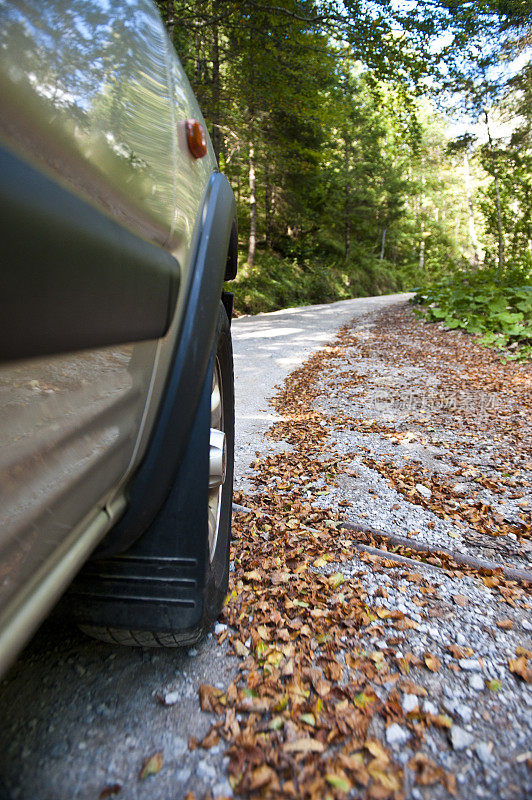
pixel 210 740
pixel 460 600
pixel 376 749
pixel 432 662
pixel 110 791
pixel 209 696
pixel 339 782
pixel 304 746
pixel 152 765
pixel 406 624
pixel 427 771
pixel 259 778
pixel 505 624
pixel 441 721
pixel 519 666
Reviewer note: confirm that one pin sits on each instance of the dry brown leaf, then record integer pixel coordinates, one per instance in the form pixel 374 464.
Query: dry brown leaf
pixel 519 666
pixel 209 696
pixel 505 624
pixel 259 778
pixel 406 624
pixel 460 600
pixel 427 773
pixel 304 746
pixel 110 791
pixel 432 662
pixel 211 739
pixel 377 750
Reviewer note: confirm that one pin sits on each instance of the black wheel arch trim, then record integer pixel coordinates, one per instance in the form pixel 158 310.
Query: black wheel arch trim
pixel 151 484
pixel 72 277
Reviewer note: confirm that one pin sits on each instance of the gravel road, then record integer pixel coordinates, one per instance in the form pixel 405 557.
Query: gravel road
pixel 80 717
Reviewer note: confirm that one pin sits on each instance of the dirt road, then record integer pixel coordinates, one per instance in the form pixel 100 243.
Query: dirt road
pixel 405 673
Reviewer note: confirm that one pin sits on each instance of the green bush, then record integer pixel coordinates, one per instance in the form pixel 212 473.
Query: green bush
pixel 275 282
pixel 499 313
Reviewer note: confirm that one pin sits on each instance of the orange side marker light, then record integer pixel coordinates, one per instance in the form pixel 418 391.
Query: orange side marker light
pixel 196 138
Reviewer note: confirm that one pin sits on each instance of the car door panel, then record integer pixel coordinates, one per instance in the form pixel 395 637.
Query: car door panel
pixel 86 100
pixel 68 427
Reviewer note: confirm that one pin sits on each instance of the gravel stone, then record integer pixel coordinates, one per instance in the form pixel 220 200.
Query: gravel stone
pixel 464 712
pixel 396 735
pixel 222 789
pixel 470 664
pixel 430 708
pixel 206 772
pixel 410 703
pixel 476 682
pixel 483 751
pixel 460 739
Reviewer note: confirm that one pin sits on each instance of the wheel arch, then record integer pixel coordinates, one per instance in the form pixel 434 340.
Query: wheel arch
pixel 214 260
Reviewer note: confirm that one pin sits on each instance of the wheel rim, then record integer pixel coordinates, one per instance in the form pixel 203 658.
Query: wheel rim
pixel 217 457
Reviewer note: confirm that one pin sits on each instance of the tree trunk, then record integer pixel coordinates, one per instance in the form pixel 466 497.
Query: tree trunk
pixel 252 241
pixel 252 206
pixel 497 201
pixel 347 206
pixel 197 61
pixel 422 222
pixel 216 135
pixel 170 19
pixel 268 202
pixel 472 230
pixel 383 243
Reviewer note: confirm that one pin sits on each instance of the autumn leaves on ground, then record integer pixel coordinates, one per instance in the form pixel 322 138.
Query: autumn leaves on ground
pixel 317 706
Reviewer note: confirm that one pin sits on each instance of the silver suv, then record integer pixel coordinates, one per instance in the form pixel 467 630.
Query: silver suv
pixel 116 381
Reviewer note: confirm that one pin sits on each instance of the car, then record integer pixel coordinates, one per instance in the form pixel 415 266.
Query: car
pixel 116 378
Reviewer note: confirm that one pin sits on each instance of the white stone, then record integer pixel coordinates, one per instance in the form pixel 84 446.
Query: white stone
pixel 423 490
pixel 395 734
pixel 222 789
pixel 430 708
pixel 206 771
pixel 410 703
pixel 464 712
pixel 470 664
pixel 460 739
pixel 527 625
pixel 170 698
pixel 483 751
pixel 219 627
pixel 476 682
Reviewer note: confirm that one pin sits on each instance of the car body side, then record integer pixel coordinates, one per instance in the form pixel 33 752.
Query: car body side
pixel 94 100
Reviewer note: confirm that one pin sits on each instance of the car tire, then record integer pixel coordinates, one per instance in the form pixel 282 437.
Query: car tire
pixel 216 556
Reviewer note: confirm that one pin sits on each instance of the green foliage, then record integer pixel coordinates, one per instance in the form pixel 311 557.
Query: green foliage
pixel 275 282
pixel 500 313
pixel 345 180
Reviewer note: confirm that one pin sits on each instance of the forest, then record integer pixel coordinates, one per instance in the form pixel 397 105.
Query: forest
pixel 373 146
